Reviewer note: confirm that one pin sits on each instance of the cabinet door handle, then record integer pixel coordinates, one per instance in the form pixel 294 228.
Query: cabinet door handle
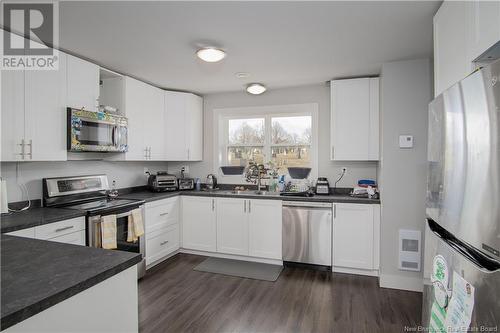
pixel 213 205
pixel 164 242
pixel 163 214
pixel 249 206
pixel 189 153
pixel 149 152
pixel 22 144
pixel 31 149
pixel 146 152
pixel 333 152
pixel 244 206
pixel 64 228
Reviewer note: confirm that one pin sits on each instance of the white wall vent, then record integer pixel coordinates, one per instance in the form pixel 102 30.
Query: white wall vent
pixel 409 250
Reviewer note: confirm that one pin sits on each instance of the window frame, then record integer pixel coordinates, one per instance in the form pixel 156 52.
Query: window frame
pixel 221 117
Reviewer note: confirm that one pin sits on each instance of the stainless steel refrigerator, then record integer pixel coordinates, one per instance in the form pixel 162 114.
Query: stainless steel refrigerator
pixel 463 206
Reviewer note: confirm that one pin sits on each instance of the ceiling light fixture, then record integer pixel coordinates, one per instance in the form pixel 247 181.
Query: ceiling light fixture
pixel 242 75
pixel 256 88
pixel 211 54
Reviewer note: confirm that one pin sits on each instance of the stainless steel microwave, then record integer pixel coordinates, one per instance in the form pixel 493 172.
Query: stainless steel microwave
pixel 90 131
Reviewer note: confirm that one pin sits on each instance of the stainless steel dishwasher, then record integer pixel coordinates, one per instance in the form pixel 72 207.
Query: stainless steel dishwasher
pixel 307 232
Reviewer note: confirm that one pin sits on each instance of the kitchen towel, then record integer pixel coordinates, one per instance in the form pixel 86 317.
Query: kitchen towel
pixel 135 226
pixel 108 231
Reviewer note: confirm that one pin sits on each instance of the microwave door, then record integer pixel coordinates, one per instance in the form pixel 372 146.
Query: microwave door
pixel 94 133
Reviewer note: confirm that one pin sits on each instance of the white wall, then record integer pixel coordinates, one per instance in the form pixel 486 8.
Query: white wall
pixel 307 94
pixel 31 173
pixel 406 90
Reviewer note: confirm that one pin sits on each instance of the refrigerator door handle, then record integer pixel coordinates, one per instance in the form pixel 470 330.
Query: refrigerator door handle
pixel 482 261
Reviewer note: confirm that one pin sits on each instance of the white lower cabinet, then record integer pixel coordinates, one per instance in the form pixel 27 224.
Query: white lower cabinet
pixel 161 214
pixel 199 230
pixel 162 229
pixel 70 231
pixel 232 226
pixel 249 227
pixel 75 238
pixel 161 243
pixel 265 228
pixel 356 237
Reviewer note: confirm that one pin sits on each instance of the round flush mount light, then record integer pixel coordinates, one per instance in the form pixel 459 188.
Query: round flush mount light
pixel 211 54
pixel 256 88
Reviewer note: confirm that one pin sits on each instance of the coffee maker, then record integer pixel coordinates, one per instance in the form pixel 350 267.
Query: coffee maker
pixel 211 182
pixel 322 186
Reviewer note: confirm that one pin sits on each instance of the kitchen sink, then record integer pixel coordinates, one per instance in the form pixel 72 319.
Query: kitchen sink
pixel 261 192
pixel 241 192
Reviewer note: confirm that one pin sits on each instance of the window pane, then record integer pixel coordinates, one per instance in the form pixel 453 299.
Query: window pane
pixel 246 131
pixel 242 155
pixel 292 130
pixel 291 156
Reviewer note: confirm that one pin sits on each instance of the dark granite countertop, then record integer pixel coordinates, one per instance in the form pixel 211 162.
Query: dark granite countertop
pixel 38 274
pixel 149 196
pixel 35 216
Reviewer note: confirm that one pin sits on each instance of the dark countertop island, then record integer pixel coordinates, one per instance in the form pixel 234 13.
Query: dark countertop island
pixel 38 274
pixel 36 216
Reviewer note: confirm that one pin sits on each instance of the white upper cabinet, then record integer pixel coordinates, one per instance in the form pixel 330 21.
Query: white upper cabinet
pixel 34 114
pixel 45 112
pixel 83 84
pixel 133 107
pixel 194 127
pixel 451 63
pixel 463 30
pixel 485 30
pixel 175 134
pixel 354 126
pixel 154 135
pixel 183 126
pixel 12 115
pixel 144 105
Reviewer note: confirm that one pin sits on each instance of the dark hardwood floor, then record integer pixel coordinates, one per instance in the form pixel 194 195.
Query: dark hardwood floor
pixel 174 298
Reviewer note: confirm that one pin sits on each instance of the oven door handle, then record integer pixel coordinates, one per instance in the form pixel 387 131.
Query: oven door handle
pixel 114 135
pixel 119 216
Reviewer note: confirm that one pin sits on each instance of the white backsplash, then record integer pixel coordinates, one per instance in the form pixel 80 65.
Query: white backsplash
pixel 125 174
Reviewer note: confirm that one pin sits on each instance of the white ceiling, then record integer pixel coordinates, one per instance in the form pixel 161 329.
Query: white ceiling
pixel 280 44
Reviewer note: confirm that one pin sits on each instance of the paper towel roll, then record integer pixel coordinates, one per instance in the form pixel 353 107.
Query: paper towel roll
pixel 4 208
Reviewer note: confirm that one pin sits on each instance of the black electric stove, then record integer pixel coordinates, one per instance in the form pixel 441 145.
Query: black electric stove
pixel 91 195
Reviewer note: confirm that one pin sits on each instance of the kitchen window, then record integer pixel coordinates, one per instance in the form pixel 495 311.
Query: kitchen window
pixel 284 135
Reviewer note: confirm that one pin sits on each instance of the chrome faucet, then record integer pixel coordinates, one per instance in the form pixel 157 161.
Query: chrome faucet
pixel 254 174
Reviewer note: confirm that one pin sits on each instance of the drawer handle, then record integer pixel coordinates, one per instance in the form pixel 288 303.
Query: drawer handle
pixel 163 214
pixel 64 228
pixel 163 243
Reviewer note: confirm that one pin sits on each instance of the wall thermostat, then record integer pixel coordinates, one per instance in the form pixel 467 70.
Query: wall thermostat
pixel 406 141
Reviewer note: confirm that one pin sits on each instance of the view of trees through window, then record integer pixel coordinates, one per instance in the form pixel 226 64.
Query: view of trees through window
pixel 288 142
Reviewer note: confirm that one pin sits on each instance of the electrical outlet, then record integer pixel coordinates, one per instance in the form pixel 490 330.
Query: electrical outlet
pixel 344 169
pixel 186 168
pixel 146 171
